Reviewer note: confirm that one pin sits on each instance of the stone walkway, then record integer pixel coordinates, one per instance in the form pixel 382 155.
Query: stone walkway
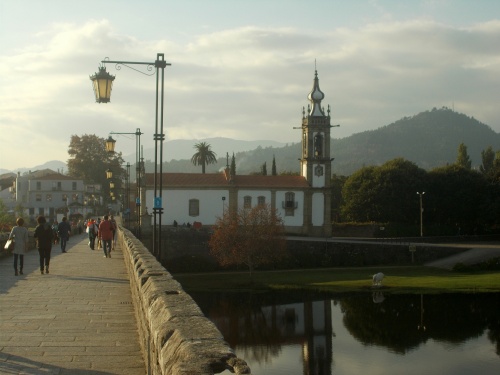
pixel 79 319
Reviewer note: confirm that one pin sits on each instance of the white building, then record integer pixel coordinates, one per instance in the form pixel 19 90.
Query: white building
pixel 303 202
pixel 49 193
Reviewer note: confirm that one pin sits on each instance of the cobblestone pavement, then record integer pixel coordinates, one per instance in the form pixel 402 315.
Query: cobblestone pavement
pixel 78 319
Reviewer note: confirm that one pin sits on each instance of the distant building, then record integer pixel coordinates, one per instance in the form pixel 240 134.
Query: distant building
pixel 53 195
pixel 6 188
pixel 303 202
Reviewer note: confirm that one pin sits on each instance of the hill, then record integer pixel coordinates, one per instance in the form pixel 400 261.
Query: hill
pixel 55 165
pixel 429 139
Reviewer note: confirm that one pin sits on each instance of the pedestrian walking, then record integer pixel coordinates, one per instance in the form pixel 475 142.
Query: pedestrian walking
pixel 55 230
pixel 21 241
pixel 106 236
pixel 44 237
pixel 113 222
pixel 92 232
pixel 64 230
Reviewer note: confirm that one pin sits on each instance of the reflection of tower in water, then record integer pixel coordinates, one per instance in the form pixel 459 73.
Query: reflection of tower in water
pixel 317 350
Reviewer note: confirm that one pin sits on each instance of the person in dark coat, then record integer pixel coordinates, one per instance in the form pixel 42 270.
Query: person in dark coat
pixel 64 230
pixel 44 237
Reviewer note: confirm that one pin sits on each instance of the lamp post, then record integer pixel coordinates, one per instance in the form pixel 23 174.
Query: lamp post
pixel 421 212
pixel 139 166
pixel 102 83
pixel 109 176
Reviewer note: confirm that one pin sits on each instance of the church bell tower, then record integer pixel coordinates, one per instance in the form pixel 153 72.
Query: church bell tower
pixel 315 163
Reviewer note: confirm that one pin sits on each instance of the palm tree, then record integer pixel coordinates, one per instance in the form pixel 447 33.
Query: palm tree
pixel 203 155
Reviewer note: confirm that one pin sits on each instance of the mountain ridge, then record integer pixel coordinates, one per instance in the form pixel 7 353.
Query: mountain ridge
pixel 429 139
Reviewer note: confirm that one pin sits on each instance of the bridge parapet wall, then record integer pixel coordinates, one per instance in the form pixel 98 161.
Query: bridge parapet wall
pixel 175 336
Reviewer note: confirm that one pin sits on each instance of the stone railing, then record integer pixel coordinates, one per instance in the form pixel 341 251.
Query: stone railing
pixel 175 336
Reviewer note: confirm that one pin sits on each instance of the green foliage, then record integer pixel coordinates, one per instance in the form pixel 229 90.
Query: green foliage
pixel 429 139
pixel 89 160
pixel 399 280
pixel 463 159
pixel 456 197
pixel 488 160
pixel 383 194
pixel 337 201
pixel 6 219
pixel 263 169
pixel 458 200
pixel 273 170
pixel 203 156
pixel 233 166
pixel 489 265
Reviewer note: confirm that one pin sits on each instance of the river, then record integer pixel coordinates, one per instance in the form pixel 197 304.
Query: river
pixel 302 333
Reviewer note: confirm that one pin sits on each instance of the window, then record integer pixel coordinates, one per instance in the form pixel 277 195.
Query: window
pixel 289 204
pixel 31 211
pixel 41 211
pixel 290 200
pixel 194 207
pixel 38 185
pixel 261 200
pixel 59 185
pixel 75 197
pixel 74 185
pixel 247 201
pixel 49 197
pixel 65 197
pixel 304 144
pixel 38 197
pixel 318 145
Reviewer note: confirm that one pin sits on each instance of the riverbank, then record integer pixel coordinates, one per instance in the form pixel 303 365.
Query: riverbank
pixel 410 279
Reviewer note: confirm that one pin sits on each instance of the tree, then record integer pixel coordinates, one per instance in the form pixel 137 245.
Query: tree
pixel 488 160
pixel 89 160
pixel 457 198
pixel 273 168
pixel 6 219
pixel 233 166
pixel 250 237
pixel 463 159
pixel 337 183
pixel 203 156
pixel 263 169
pixel 383 194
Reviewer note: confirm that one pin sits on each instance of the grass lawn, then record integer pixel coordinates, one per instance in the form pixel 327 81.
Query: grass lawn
pixel 413 279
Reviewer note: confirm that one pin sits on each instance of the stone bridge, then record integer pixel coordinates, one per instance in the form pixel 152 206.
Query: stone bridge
pixel 95 315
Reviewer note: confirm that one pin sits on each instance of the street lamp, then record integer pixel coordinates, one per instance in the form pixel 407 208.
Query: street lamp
pixel 421 212
pixel 102 83
pixel 109 174
pixel 110 147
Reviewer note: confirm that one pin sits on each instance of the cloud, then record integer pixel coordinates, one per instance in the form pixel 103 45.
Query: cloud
pixel 246 82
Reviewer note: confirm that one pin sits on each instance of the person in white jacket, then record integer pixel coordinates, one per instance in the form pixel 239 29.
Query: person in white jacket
pixel 21 241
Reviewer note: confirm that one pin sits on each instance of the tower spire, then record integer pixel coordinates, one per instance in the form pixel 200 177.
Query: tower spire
pixel 316 96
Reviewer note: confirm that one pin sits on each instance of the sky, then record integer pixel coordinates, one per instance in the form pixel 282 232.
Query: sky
pixel 240 69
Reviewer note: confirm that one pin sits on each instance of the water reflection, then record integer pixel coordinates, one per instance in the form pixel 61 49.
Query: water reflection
pixel 269 329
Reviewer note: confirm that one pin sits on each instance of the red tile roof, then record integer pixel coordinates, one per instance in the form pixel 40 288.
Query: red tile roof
pixel 218 180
